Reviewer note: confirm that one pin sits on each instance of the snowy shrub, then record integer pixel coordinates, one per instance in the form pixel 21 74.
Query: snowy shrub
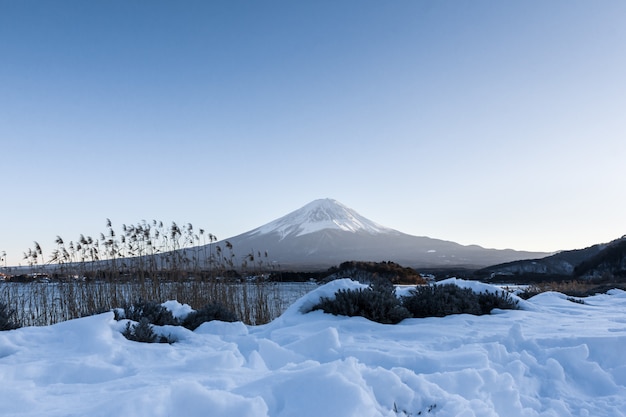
pixel 140 332
pixel 378 302
pixel 209 312
pixel 501 299
pixel 528 293
pixel 443 300
pixel 153 312
pixel 143 332
pixel 7 321
pixel 576 288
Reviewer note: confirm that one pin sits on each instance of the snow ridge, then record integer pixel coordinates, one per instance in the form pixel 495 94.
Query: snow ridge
pixel 320 215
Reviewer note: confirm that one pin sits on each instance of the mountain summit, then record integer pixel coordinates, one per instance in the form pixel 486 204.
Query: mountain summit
pixel 320 215
pixel 325 233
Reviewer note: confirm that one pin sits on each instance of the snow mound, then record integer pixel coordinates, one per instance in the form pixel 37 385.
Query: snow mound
pixel 178 310
pixel 475 286
pixel 558 359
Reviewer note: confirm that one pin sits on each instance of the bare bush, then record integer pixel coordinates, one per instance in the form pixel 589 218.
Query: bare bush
pixel 379 303
pixel 208 313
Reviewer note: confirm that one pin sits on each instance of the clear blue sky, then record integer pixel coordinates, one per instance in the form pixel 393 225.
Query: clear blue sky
pixel 498 123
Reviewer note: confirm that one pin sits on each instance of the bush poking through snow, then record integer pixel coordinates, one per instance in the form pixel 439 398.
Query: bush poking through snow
pixel 143 332
pixel 147 314
pixel 443 300
pixel 209 312
pixel 140 332
pixel 378 302
pixel 499 299
pixel 7 321
pixel 153 312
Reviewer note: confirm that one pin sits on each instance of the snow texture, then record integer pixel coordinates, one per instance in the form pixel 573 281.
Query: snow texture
pixel 552 358
pixel 320 215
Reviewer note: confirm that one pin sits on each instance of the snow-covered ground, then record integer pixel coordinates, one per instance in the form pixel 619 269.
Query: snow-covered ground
pixel 552 358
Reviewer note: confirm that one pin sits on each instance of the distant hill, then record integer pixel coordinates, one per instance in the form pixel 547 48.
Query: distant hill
pixel 367 272
pixel 325 233
pixel 610 261
pixel 605 260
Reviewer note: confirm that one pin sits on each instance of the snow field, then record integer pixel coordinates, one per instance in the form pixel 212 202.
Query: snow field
pixel 553 358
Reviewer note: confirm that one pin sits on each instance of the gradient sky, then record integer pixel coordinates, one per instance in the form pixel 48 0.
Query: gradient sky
pixel 495 123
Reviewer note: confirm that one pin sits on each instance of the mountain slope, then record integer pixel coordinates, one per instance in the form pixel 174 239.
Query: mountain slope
pixel 610 262
pixel 325 233
pixel 590 262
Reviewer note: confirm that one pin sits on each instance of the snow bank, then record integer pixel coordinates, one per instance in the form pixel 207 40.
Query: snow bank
pixel 556 359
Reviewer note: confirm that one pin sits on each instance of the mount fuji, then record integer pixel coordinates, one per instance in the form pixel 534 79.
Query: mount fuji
pixel 325 233
pixel 325 214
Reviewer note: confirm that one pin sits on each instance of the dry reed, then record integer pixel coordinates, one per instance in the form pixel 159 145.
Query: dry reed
pixel 147 261
pixel 40 304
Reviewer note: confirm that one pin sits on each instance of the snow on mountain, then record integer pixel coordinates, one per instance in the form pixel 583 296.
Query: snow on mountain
pixel 319 215
pixel 325 233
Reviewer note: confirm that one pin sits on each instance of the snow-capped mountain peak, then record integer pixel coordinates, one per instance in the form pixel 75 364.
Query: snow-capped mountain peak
pixel 325 233
pixel 319 215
